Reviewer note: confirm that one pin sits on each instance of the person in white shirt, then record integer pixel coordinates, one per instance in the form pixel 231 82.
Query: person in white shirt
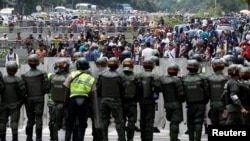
pixel 147 52
pixel 11 56
pixel 170 52
pixel 4 40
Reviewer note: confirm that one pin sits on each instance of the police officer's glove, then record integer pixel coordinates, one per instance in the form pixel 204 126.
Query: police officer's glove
pixel 155 96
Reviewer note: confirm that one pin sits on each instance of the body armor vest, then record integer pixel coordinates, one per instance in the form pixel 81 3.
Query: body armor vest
pixel 169 89
pixel 217 83
pixel 146 88
pixel 11 92
pixel 129 86
pixel 193 86
pixel 111 84
pixel 57 88
pixel 34 83
pixel 227 99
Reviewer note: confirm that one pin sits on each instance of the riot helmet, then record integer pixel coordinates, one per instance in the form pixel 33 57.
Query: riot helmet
pixel 228 60
pixel 218 64
pixel 245 73
pixel 233 70
pixel 193 65
pixel 82 64
pixel 61 66
pixel 156 60
pixel 101 62
pixel 148 64
pixel 197 57
pixel 173 69
pixel 113 63
pixel 33 60
pixel 125 54
pixel 128 64
pixel 11 67
pixel 240 60
pixel 76 55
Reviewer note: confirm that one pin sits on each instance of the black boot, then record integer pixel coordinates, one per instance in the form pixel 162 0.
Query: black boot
pixel 39 134
pixel 206 128
pixel 156 130
pixel 29 132
pixel 3 137
pixel 15 137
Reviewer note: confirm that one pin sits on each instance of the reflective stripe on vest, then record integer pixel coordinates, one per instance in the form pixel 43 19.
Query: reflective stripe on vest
pixel 81 86
pixel 49 94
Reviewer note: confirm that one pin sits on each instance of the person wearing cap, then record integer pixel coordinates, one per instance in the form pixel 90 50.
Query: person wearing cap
pixel 11 56
pixel 4 40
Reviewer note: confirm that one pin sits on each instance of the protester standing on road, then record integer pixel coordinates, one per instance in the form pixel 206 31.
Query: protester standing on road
pixel 41 53
pixel 79 86
pixel 173 95
pixel 37 85
pixel 11 56
pixel 109 89
pixel 12 98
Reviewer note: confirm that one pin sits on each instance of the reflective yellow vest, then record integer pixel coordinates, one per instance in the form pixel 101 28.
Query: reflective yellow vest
pixel 49 94
pixel 81 86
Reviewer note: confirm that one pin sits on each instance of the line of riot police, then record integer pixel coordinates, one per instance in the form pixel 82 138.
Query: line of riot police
pixel 117 93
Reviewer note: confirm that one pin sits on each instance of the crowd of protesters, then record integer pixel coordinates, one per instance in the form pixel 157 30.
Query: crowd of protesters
pixel 201 39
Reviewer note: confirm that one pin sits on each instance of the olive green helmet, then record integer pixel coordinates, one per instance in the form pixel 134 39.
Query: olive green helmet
pixel 128 64
pixel 76 56
pixel 218 64
pixel 101 62
pixel 11 67
pixel 33 60
pixel 148 64
pixel 113 63
pixel 193 65
pixel 173 69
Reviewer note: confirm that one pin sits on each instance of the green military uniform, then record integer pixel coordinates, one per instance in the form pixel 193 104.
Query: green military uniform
pixel 109 88
pixel 12 99
pixel 57 94
pixel 173 96
pixel 216 82
pixel 37 85
pixel 50 106
pixel 129 98
pixel 148 95
pixel 196 91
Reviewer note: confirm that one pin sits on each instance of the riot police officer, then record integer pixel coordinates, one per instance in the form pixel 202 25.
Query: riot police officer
pixel 148 94
pixel 79 86
pixel 196 93
pixel 109 88
pixel 130 97
pixel 12 99
pixel 216 82
pixel 56 79
pixel 244 93
pixel 235 109
pixel 125 54
pixel 173 95
pixel 94 108
pixel 37 85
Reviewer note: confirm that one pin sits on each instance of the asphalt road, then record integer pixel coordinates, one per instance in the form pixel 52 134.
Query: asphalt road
pixel 162 136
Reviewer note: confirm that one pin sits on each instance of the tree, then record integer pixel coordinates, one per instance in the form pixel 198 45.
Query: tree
pixel 246 1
